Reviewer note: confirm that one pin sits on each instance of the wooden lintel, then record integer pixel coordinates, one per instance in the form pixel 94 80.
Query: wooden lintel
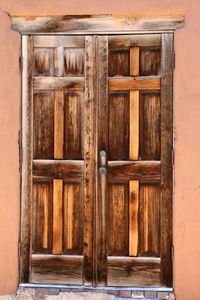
pixel 94 24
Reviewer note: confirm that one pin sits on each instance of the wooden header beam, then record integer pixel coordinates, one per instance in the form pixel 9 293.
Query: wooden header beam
pixel 102 24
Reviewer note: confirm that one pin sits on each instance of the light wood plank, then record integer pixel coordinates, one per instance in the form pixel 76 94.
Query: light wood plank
pixel 70 209
pixel 94 24
pixel 134 125
pixel 127 41
pixel 133 217
pixel 134 61
pixel 57 216
pixel 58 41
pixel 58 83
pixel 58 124
pixel 134 83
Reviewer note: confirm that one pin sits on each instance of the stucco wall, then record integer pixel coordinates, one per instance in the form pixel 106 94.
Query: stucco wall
pixel 187 128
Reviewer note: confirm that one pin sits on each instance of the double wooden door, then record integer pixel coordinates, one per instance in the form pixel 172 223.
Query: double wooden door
pixel 101 159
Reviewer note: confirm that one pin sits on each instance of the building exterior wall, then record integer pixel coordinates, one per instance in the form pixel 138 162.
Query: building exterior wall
pixel 186 123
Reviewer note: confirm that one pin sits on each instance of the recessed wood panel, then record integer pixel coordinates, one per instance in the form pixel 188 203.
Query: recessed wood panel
pixel 73 126
pixel 118 219
pixel 56 269
pixel 42 216
pixel 73 218
pixel 73 62
pixel 149 220
pixel 43 62
pixel 118 62
pixel 118 126
pixel 150 61
pixel 150 125
pixel 126 271
pixel 43 125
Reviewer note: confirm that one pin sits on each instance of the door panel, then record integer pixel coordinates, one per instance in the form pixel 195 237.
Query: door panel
pixel 101 165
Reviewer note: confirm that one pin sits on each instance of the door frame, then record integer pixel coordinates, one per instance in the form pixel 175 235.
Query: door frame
pixel 101 25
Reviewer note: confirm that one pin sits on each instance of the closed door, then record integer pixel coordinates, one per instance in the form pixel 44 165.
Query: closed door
pixel 101 159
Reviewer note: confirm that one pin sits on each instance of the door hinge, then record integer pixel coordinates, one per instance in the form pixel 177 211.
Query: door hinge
pixel 173 61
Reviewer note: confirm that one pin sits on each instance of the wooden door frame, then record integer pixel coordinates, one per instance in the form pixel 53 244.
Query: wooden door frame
pixel 91 25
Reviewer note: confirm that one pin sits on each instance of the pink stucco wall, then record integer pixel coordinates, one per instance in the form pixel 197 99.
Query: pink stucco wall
pixel 187 129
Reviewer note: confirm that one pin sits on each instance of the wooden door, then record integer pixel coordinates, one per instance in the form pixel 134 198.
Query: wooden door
pixel 100 149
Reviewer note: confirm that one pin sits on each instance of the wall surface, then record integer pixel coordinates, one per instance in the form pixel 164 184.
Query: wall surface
pixel 187 128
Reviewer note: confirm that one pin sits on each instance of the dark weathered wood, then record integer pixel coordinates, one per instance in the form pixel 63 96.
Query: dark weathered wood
pixel 94 24
pixel 43 62
pixel 59 168
pixel 134 83
pixel 45 41
pixel 118 62
pixel 58 83
pixel 127 170
pixel 89 159
pixel 149 220
pixel 73 218
pixel 118 220
pixel 166 158
pixel 118 126
pixel 73 125
pixel 127 41
pixel 150 118
pixel 150 61
pixel 126 271
pixel 73 62
pixel 58 124
pixel 53 269
pixel 42 216
pixel 43 125
pixel 102 144
pixel 26 168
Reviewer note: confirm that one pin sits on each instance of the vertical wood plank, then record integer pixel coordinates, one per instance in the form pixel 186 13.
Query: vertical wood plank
pixel 166 157
pixel 133 217
pixel 134 125
pixel 57 215
pixel 58 124
pixel 26 148
pixel 70 209
pixel 89 159
pixel 134 61
pixel 102 133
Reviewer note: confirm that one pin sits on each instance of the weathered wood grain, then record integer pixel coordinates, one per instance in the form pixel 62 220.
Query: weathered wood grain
pixel 26 164
pixel 54 41
pixel 150 63
pixel 126 271
pixel 127 41
pixel 149 220
pixel 134 83
pixel 118 219
pixel 73 62
pixel 94 24
pixel 58 83
pixel 60 168
pixel 133 217
pixel 166 158
pixel 43 125
pixel 58 125
pixel 43 62
pixel 134 126
pixel 118 62
pixel 73 119
pixel 150 131
pixel 127 170
pixel 89 159
pixel 57 216
pixel 42 216
pixel 56 269
pixel 102 144
pixel 118 126
pixel 73 218
pixel 134 61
